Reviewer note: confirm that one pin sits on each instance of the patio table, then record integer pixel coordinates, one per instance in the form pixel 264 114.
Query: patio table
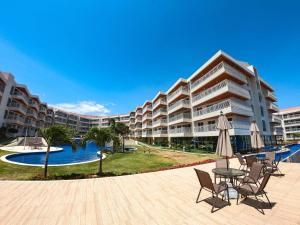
pixel 231 174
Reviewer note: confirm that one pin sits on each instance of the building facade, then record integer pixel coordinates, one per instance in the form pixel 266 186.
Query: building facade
pixel 289 128
pixel 23 113
pixel 187 112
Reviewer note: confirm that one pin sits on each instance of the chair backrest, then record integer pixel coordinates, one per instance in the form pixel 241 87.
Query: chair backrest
pixel 204 179
pixel 255 171
pixel 270 156
pixel 264 182
pixel 250 159
pixel 240 158
pixel 222 163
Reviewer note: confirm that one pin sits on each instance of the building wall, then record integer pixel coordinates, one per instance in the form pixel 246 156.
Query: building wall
pixel 289 128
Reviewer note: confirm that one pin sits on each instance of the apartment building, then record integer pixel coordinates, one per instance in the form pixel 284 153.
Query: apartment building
pixel 187 113
pixel 23 113
pixel 288 126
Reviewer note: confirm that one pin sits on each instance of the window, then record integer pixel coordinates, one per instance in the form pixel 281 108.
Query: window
pixel 262 111
pixel 200 124
pixel 211 122
pixel 264 125
pixel 259 97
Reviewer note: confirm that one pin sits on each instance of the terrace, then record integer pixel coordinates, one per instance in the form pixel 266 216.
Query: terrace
pixel 166 197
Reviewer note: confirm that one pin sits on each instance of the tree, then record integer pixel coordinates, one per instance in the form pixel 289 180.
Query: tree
pixel 100 136
pixel 122 130
pixel 55 135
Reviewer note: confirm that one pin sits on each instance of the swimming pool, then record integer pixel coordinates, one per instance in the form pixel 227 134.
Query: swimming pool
pixel 283 155
pixel 65 157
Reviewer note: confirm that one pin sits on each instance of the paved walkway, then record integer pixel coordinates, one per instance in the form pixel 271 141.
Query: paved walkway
pixel 166 197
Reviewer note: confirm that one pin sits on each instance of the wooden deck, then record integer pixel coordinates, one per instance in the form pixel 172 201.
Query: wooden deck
pixel 166 197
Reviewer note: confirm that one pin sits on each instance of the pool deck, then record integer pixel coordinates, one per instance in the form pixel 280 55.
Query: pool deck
pixel 166 197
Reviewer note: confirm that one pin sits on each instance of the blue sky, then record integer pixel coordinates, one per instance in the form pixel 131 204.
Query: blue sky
pixel 97 56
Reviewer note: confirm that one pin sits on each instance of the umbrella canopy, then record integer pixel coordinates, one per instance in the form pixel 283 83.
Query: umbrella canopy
pixel 224 147
pixel 256 140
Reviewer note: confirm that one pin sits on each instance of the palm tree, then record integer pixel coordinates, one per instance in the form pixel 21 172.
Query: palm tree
pixel 122 130
pixel 100 136
pixel 55 135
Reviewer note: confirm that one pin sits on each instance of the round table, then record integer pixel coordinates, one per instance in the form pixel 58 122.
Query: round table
pixel 231 174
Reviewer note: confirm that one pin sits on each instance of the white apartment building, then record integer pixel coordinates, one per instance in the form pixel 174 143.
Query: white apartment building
pixel 23 113
pixel 188 111
pixel 289 128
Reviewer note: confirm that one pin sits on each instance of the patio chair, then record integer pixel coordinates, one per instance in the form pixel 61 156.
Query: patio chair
pixel 271 164
pixel 251 190
pixel 253 176
pixel 221 163
pixel 250 159
pixel 207 184
pixel 242 161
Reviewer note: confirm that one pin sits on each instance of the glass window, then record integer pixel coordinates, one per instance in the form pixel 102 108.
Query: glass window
pixel 262 111
pixel 264 125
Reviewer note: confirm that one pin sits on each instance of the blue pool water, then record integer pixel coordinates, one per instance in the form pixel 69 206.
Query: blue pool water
pixel 67 156
pixel 283 155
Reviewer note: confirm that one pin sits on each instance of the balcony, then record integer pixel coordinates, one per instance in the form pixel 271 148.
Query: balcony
pixel 34 105
pixel 278 131
pixel 30 123
pixel 160 112
pixel 211 129
pixel 275 119
pixel 179 105
pixel 41 117
pixel 147 133
pixel 21 96
pixel 138 120
pixel 273 107
pixel 271 96
pixel 160 133
pixel 138 134
pixel 15 119
pixel 159 102
pixel 180 118
pixel 148 108
pixel 147 117
pixel 138 127
pixel 221 68
pixel 138 113
pixel 13 106
pixel 43 110
pixel 147 126
pixel 181 132
pixel 180 91
pixel 226 86
pixel 49 119
pixel 227 106
pixel 160 123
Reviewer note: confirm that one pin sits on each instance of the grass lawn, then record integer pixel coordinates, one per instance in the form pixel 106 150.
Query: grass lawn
pixel 143 160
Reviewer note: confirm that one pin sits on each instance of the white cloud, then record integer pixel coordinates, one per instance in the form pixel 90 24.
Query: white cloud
pixel 83 107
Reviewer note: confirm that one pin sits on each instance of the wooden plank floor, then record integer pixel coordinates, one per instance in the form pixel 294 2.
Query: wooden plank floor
pixel 166 197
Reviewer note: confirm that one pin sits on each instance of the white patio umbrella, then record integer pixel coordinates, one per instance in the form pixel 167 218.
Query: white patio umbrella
pixel 256 140
pixel 224 147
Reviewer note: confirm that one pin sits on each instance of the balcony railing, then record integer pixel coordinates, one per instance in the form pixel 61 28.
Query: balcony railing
pixel 15 118
pixel 181 90
pixel 159 102
pixel 213 127
pixel 273 107
pixel 147 133
pixel 160 122
pixel 180 103
pixel 147 116
pixel 213 71
pixel 147 108
pixel 178 130
pixel 18 106
pixel 235 106
pixel 225 83
pixel 20 95
pixel 158 132
pixel 180 116
pixel 159 111
pixel 147 126
pixel 271 95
